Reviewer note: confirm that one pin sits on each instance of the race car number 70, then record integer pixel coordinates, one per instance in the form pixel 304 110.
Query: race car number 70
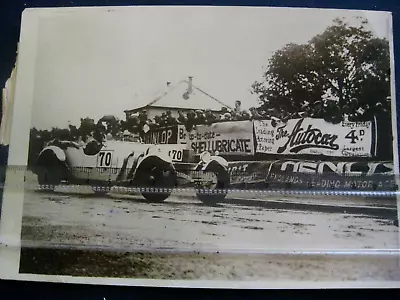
pixel 104 159
pixel 176 155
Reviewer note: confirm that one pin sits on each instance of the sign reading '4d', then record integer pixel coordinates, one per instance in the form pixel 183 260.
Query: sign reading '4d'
pixel 315 137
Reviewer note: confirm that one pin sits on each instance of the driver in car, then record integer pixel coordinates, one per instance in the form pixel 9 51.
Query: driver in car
pixel 95 141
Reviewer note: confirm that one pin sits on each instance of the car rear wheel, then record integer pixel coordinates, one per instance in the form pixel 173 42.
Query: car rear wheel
pixel 156 181
pixel 50 172
pixel 214 192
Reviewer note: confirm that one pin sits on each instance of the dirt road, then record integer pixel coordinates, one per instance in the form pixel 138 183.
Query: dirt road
pixel 183 223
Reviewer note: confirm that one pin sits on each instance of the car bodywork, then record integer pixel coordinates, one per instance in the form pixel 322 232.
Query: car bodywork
pixel 154 169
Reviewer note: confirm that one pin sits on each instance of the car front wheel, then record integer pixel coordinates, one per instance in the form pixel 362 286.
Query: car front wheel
pixel 214 190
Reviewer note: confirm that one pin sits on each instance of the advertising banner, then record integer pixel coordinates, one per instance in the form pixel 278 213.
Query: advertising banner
pixel 228 138
pixel 315 137
pixel 332 175
pixel 165 135
pixel 323 175
pixel 243 173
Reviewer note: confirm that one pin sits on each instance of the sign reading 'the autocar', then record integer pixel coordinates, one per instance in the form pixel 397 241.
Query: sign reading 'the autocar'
pixel 227 138
pixel 315 137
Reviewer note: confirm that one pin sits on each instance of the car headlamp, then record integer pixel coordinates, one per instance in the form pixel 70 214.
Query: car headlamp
pixel 205 156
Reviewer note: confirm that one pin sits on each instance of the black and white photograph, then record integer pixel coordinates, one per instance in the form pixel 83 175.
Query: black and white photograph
pixel 211 143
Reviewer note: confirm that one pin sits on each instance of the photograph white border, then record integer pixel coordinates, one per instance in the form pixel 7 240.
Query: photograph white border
pixel 12 210
pixel 394 117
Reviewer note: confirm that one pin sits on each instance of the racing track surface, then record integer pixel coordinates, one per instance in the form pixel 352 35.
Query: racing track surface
pixel 128 223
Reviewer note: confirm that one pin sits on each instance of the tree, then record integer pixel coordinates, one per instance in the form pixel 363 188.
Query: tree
pixel 112 124
pixel 86 127
pixel 291 78
pixel 352 62
pixel 343 62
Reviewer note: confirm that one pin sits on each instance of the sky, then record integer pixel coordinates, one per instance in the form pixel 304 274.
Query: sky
pixel 101 63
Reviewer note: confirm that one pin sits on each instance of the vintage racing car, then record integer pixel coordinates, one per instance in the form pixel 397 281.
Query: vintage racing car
pixel 153 170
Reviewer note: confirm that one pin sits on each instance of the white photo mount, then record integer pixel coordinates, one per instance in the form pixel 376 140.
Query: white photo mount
pixel 37 34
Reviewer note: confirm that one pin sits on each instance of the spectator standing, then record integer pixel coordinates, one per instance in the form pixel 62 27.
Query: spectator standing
pixel 170 120
pixel 200 117
pixel 191 120
pixel 163 120
pixel 210 117
pixel 244 116
pixel 318 109
pixel 254 114
pixel 157 121
pixel 238 107
pixel 182 119
pixel 332 112
pixel 227 117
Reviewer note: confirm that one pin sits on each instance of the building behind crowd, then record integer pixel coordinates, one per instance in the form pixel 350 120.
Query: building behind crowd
pixel 182 96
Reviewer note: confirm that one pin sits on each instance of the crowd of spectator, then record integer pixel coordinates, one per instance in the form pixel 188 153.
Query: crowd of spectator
pixel 138 125
pixel 328 110
pixel 133 128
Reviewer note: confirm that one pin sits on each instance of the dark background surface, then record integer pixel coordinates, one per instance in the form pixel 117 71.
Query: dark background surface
pixel 9 34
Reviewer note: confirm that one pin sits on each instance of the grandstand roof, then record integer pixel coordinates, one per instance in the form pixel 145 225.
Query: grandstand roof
pixel 174 97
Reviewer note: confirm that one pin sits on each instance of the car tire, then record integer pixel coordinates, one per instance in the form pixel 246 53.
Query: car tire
pixel 219 193
pixel 156 197
pixel 156 183
pixel 50 174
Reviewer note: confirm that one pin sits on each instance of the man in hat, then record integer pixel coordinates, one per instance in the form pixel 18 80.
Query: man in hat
pixel 318 110
pixel 332 112
pixel 163 120
pixel 244 116
pixel 255 114
pixel 142 118
pixel 200 117
pixel 157 122
pixel 210 117
pixel 170 120
pixel 181 117
pixel 227 117
pixel 191 120
pixel 224 110
pixel 238 107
